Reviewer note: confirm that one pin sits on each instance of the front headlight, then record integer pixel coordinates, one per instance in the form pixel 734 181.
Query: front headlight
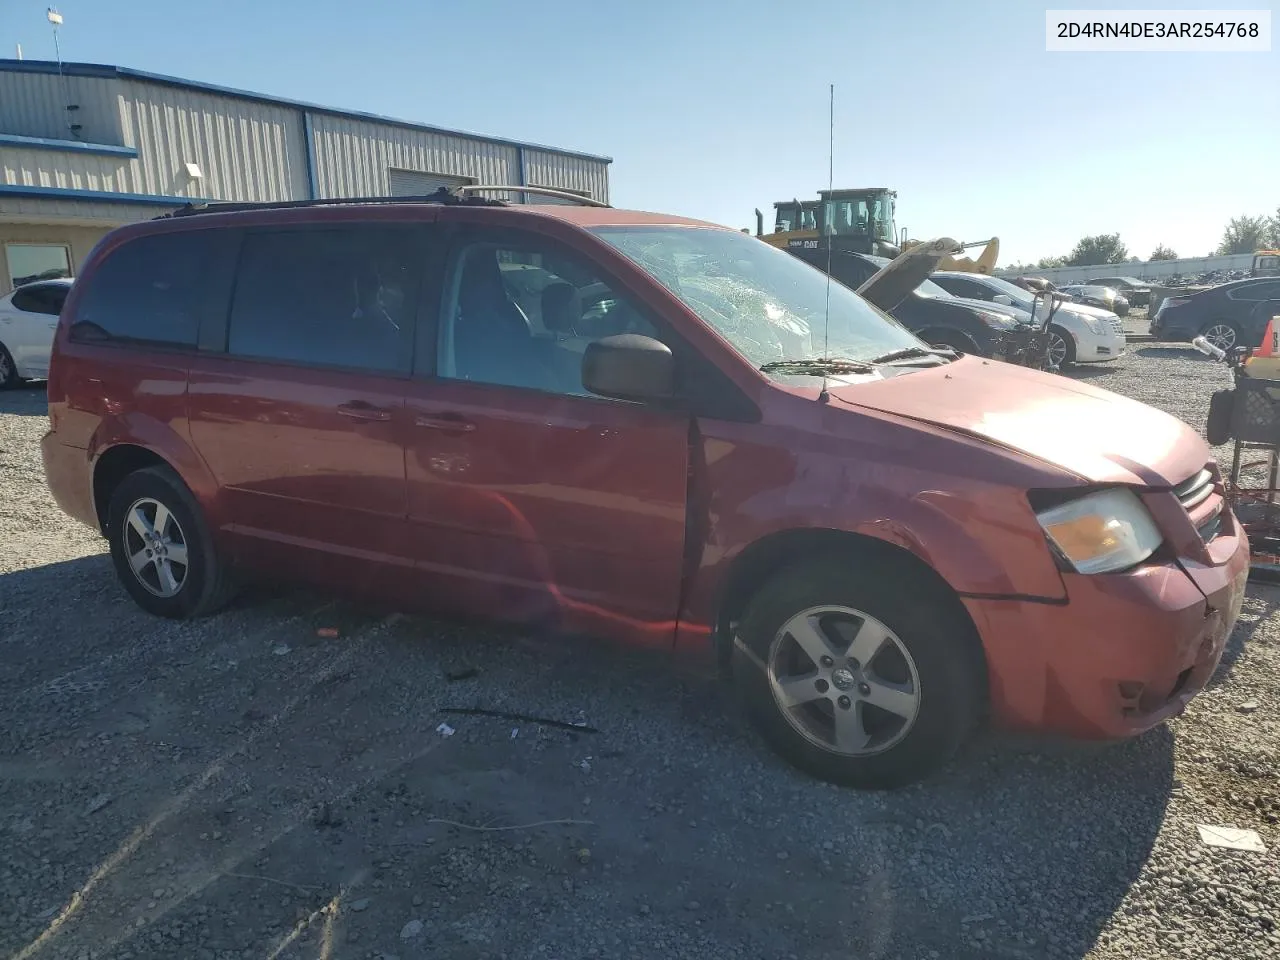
pixel 1101 532
pixel 1092 323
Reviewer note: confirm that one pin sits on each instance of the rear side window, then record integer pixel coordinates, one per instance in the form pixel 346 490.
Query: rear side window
pixel 148 291
pixel 334 296
pixel 46 298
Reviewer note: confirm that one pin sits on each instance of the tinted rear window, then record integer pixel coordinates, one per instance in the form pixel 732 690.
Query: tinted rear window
pixel 334 296
pixel 148 291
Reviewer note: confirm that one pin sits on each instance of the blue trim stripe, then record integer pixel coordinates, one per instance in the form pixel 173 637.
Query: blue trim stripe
pixel 309 146
pixel 103 71
pixel 70 146
pixel 103 196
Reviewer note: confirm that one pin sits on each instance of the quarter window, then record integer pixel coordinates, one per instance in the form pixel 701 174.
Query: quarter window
pixel 342 297
pixel 149 290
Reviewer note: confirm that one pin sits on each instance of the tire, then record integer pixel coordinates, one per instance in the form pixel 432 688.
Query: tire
pixel 8 369
pixel 1068 344
pixel 203 584
pixel 943 670
pixel 1217 429
pixel 1222 333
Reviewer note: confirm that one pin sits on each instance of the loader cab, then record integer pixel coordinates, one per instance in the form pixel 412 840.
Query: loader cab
pixel 864 214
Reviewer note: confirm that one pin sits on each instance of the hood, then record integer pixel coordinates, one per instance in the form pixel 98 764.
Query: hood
pixel 1099 436
pixel 1086 310
pixel 989 306
pixel 889 286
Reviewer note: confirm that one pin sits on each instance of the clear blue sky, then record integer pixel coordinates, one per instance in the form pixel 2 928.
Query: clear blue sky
pixel 712 108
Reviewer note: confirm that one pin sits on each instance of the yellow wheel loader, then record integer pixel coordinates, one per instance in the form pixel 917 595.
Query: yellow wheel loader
pixel 858 220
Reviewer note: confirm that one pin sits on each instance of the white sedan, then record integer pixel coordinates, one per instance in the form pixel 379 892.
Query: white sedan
pixel 1080 333
pixel 28 317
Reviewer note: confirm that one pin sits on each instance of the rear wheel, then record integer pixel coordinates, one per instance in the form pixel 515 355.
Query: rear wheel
pixel 161 547
pixel 1223 334
pixel 8 369
pixel 860 681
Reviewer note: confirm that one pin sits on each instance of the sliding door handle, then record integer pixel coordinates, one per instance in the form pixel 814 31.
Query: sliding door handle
pixel 359 410
pixel 448 422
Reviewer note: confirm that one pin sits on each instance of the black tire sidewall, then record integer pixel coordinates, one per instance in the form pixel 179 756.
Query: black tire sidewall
pixel 1217 429
pixel 945 649
pixel 11 379
pixel 163 485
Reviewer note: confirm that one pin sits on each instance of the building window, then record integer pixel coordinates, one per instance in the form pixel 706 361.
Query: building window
pixel 29 262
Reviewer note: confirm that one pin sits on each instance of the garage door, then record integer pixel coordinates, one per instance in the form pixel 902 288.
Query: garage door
pixel 418 183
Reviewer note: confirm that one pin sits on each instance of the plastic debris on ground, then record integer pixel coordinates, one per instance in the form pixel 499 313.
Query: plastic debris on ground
pixel 1231 838
pixel 327 632
pixel 445 730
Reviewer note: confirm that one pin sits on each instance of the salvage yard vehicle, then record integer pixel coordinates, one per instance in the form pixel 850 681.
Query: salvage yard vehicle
pixel 923 307
pixel 1104 298
pixel 1137 292
pixel 678 437
pixel 1228 315
pixel 1078 334
pixel 28 317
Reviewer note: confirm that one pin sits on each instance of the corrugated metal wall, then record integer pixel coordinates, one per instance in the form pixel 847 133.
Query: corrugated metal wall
pixel 246 150
pixel 353 156
pixel 35 105
pixel 67 171
pixel 545 169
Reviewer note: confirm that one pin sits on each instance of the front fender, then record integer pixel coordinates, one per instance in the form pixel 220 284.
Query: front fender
pixel 965 515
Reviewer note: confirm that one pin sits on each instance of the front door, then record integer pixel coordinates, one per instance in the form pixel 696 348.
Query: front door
pixel 300 418
pixel 530 499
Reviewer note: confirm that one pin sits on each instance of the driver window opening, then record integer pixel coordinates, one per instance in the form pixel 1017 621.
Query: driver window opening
pixel 523 317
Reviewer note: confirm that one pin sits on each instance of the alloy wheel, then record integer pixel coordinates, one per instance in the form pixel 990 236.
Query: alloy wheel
pixel 1221 335
pixel 155 546
pixel 844 680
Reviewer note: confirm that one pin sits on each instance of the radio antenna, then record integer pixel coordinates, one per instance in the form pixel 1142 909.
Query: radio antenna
pixel 828 207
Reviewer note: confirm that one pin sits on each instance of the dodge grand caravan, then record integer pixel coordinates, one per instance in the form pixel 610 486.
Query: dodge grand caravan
pixel 647 429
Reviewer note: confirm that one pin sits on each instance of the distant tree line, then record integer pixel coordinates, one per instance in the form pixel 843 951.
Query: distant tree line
pixel 1243 234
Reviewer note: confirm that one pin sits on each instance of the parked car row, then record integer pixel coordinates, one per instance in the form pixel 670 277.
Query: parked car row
pixel 971 311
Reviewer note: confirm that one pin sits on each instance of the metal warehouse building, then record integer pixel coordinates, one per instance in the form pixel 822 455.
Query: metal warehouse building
pixel 86 147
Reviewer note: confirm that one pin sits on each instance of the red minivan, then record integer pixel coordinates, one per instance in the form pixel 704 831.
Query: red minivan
pixel 649 429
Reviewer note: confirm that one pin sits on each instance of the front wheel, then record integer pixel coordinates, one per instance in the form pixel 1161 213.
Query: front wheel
pixel 1062 347
pixel 858 679
pixel 161 547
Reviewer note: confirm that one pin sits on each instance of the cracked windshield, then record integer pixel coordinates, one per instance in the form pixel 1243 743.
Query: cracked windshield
pixel 770 306
pixel 666 481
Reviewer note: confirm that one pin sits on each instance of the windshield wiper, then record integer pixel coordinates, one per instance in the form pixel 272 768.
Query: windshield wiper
pixel 908 352
pixel 817 366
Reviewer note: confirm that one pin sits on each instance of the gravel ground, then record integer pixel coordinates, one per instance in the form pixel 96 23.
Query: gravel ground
pixel 246 787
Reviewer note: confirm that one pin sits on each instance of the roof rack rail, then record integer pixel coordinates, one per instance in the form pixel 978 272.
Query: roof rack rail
pixel 539 191
pixel 443 195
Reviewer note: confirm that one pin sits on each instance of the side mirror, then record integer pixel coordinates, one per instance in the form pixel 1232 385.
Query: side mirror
pixel 1003 298
pixel 629 367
